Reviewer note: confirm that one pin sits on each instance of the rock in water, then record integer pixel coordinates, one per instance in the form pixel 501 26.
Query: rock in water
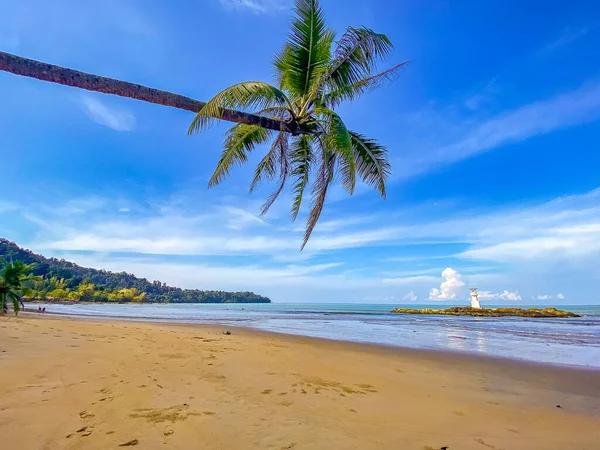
pixel 489 312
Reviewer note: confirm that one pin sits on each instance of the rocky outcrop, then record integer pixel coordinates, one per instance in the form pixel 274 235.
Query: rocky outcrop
pixel 489 312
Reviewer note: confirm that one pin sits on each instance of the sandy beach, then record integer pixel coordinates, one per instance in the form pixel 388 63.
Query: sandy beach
pixel 85 384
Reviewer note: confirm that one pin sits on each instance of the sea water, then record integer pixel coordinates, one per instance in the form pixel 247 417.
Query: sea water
pixel 564 341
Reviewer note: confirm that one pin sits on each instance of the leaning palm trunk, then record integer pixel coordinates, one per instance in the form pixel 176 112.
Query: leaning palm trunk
pixel 74 78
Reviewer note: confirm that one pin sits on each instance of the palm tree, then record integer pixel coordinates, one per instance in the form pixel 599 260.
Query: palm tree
pixel 12 276
pixel 314 76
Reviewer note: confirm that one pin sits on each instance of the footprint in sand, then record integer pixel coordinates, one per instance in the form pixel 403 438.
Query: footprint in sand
pixel 157 415
pixel 85 415
pixel 482 442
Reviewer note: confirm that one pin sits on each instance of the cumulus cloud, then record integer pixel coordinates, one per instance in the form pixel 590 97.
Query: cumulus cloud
pixel 410 297
pixel 115 118
pixel 560 296
pixel 506 295
pixel 449 287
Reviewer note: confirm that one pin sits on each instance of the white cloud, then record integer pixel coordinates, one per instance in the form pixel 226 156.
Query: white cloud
pixel 543 297
pixel 450 286
pixel 116 118
pixel 256 6
pixel 240 219
pixel 459 137
pixel 410 297
pixel 506 295
pixel 202 230
pixel 573 108
pixel 560 296
pixel 567 228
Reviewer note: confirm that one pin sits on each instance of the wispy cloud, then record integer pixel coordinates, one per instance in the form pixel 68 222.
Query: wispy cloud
pixel 566 227
pixel 256 6
pixel 118 119
pixel 566 230
pixel 458 137
pixel 8 206
pixel 568 36
pixel 229 277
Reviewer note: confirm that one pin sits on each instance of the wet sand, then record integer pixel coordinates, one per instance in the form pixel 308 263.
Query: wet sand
pixel 86 384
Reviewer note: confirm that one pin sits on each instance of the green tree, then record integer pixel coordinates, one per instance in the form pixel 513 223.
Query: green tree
pixel 85 291
pixel 127 295
pixel 314 76
pixel 12 276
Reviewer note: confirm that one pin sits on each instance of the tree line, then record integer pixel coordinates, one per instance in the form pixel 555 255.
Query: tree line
pixel 61 280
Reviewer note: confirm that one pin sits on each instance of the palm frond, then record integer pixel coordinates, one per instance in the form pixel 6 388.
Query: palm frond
pixel 307 54
pixel 14 273
pixel 371 161
pixel 355 90
pixel 281 146
pixel 337 139
pixel 281 62
pixel 16 301
pixel 241 139
pixel 301 161
pixel 266 168
pixel 357 54
pixel 319 190
pixel 247 95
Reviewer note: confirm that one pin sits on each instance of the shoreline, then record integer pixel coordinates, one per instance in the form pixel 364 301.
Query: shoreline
pixel 381 346
pixel 167 385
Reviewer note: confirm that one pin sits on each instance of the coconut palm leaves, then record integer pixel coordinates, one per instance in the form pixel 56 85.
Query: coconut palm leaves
pixel 12 276
pixel 314 76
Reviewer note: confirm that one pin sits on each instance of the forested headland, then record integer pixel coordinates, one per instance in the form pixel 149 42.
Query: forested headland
pixel 63 281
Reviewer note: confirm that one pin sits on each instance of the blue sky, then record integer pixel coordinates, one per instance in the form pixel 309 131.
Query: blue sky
pixel 493 133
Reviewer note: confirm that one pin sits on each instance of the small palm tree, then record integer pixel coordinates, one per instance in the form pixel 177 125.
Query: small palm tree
pixel 314 76
pixel 12 276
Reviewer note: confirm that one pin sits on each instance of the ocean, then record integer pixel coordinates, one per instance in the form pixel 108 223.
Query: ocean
pixel 570 341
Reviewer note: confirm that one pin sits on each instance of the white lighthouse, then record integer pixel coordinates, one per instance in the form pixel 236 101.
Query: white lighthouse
pixel 475 299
